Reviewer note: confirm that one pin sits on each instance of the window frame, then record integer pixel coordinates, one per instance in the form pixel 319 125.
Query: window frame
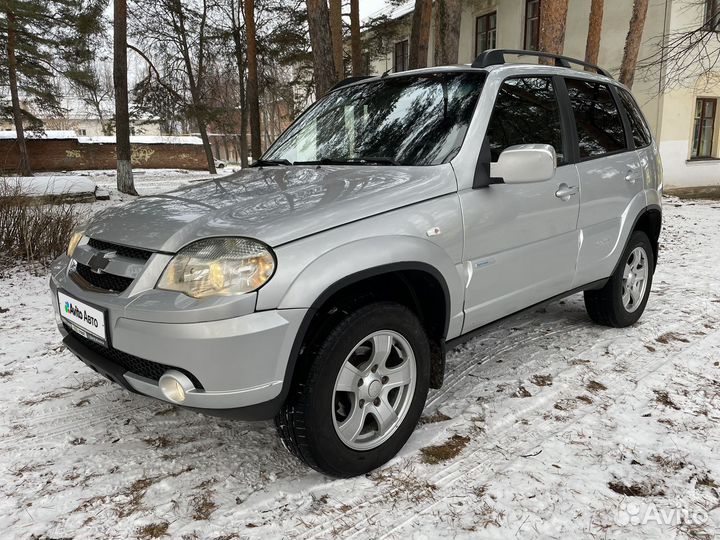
pixel 474 113
pixel 527 20
pixel 486 46
pixel 704 101
pixel 629 129
pixel 405 51
pixel 567 137
pixel 629 144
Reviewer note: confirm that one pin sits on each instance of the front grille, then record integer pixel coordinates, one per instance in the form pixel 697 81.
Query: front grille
pixel 107 282
pixel 124 251
pixel 139 366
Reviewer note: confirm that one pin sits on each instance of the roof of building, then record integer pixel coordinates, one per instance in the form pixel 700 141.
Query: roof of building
pixel 395 12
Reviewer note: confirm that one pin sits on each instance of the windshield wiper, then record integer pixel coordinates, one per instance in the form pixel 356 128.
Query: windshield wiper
pixel 363 160
pixel 270 162
pixel 322 161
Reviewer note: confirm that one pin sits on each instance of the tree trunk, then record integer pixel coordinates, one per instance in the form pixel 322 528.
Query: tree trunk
pixel 592 49
pixel 253 93
pixel 241 87
pixel 447 32
pixel 553 17
pixel 337 37
pixel 125 182
pixel 357 61
pixel 420 34
pixel 194 81
pixel 24 168
pixel 323 60
pixel 632 42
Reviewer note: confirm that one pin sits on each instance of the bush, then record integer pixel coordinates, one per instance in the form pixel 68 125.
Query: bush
pixel 31 230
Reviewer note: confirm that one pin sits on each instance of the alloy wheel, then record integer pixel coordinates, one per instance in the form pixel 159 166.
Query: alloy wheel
pixel 373 390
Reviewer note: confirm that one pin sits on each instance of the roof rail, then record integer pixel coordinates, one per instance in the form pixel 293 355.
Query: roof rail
pixel 350 80
pixel 496 57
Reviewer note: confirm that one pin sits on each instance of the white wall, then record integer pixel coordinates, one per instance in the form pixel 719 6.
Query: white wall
pixel 669 113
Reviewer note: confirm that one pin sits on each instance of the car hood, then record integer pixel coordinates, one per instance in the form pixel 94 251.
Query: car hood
pixel 274 204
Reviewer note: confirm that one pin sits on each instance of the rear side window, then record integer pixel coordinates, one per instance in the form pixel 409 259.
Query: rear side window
pixel 526 112
pixel 599 125
pixel 640 131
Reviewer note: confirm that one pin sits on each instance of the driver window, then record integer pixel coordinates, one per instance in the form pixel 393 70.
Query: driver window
pixel 526 112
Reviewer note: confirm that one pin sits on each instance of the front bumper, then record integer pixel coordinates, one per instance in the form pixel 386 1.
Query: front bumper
pixel 238 363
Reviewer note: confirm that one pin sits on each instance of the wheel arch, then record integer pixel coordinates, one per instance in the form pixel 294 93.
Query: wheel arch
pixel 650 222
pixel 415 284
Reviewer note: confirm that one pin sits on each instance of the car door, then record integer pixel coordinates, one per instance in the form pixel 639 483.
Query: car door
pixel 611 179
pixel 521 239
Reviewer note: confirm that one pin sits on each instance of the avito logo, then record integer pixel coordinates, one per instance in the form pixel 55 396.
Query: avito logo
pixel 80 314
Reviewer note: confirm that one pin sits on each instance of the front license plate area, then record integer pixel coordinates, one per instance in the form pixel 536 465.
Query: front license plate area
pixel 86 320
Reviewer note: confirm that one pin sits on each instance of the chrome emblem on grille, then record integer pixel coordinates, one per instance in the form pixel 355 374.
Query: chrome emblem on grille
pixel 99 261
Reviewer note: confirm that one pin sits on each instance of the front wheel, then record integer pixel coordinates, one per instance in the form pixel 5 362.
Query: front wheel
pixel 362 394
pixel 622 300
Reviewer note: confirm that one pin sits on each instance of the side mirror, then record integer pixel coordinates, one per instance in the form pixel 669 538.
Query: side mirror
pixel 525 163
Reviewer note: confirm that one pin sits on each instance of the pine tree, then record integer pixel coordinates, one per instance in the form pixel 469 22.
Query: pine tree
pixel 253 90
pixel 356 43
pixel 420 34
pixel 447 31
pixel 320 38
pixel 592 48
pixel 42 41
pixel 632 42
pixel 553 19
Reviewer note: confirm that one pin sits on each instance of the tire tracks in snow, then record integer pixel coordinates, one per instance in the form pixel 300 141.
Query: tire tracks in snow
pixel 501 440
pixel 464 466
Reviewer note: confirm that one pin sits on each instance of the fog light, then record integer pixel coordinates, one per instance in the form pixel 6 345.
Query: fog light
pixel 175 386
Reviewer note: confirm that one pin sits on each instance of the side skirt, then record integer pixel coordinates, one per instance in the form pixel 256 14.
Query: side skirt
pixel 455 342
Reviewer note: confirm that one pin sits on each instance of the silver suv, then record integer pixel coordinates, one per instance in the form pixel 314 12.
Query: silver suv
pixel 323 286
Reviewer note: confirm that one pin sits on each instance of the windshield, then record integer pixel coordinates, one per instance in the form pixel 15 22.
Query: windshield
pixel 409 120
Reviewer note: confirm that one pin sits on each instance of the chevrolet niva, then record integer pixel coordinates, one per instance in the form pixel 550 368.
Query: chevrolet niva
pixel 323 286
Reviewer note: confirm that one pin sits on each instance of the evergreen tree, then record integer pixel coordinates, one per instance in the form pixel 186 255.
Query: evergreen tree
pixel 41 42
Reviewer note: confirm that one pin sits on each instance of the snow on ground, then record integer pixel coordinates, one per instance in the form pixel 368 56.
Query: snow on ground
pixel 148 181
pixel 547 427
pixel 39 186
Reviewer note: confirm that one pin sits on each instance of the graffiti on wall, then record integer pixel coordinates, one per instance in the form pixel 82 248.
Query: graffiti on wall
pixel 141 154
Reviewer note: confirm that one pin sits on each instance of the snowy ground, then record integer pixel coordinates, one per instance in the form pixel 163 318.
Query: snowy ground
pixel 149 181
pixel 547 426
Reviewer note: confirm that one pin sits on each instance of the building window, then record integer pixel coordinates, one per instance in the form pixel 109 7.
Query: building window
pixel 400 60
pixel 485 32
pixel 532 25
pixel 712 14
pixel 82 132
pixel 704 127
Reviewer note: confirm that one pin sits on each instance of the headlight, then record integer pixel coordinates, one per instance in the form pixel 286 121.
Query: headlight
pixel 219 267
pixel 74 241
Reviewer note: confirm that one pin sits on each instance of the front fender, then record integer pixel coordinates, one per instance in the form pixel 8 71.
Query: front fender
pixel 355 260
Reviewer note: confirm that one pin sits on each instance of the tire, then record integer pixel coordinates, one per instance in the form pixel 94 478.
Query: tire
pixel 608 306
pixel 318 413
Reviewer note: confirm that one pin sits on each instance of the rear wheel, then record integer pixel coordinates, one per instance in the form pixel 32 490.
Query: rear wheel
pixel 622 300
pixel 363 393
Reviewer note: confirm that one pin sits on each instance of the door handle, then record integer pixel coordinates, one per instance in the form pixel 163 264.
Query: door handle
pixel 564 192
